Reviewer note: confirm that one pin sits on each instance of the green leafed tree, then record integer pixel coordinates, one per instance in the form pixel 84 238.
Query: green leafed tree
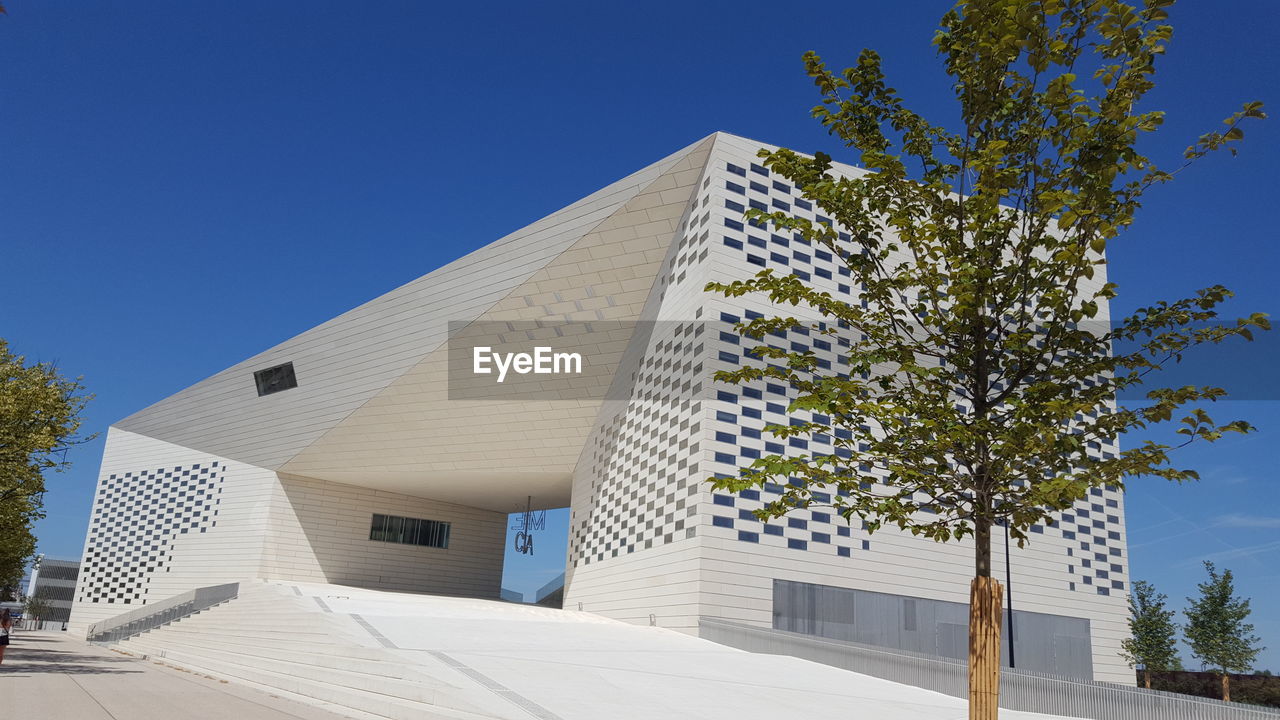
pixel 982 374
pixel 1216 629
pixel 1153 635
pixel 36 608
pixel 39 422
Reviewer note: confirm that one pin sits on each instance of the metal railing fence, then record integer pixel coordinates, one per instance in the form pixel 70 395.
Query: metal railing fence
pixel 154 615
pixel 1019 689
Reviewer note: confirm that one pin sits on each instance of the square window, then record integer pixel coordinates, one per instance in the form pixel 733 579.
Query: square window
pixel 275 379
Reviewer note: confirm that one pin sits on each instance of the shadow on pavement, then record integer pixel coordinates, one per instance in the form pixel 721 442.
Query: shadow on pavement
pixel 22 659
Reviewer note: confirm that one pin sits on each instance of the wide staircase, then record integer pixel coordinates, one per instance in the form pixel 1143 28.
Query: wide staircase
pixel 275 637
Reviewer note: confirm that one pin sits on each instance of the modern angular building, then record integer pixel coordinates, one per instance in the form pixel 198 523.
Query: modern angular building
pixel 385 448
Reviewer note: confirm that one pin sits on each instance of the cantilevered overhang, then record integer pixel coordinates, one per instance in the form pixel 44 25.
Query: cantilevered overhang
pixel 372 405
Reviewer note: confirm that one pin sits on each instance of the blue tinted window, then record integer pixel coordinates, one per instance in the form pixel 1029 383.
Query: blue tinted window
pixel 722 522
pixel 773 530
pixel 735 244
pixel 797 544
pixel 719 499
pixel 745 536
pixel 735 187
pixel 735 169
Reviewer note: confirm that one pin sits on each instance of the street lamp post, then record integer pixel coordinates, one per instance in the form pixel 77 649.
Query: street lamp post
pixel 1008 584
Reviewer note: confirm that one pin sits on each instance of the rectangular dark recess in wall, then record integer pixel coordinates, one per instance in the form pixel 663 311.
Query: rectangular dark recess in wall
pixel 410 531
pixel 275 379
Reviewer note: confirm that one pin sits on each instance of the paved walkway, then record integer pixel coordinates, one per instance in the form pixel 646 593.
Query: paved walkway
pixel 47 675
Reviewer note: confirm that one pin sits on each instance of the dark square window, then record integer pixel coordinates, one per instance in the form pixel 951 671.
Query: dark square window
pixel 275 379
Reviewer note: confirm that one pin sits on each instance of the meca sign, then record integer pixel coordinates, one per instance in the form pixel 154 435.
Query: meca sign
pixel 542 361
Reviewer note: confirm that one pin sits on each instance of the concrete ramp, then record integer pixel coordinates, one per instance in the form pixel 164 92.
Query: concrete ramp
pixel 372 654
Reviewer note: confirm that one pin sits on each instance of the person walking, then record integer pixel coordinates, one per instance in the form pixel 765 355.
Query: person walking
pixel 6 625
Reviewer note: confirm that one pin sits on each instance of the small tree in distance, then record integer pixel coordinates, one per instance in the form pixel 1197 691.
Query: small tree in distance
pixel 36 608
pixel 980 370
pixel 1152 641
pixel 1216 629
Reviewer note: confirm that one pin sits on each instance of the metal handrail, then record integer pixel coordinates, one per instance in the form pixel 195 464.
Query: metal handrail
pixel 158 614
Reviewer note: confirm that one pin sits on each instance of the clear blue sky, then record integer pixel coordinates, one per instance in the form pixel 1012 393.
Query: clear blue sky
pixel 185 184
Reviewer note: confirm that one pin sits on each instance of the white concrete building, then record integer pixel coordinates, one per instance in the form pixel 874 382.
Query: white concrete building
pixel 373 451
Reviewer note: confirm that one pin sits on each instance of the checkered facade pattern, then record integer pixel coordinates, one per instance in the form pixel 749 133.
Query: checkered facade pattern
pixel 136 519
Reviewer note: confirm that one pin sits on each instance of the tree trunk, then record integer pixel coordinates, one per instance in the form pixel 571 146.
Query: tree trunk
pixel 1146 677
pixel 985 595
pixel 1226 687
pixel 982 547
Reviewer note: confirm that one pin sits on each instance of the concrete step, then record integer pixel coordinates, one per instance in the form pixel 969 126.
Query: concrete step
pixel 355 698
pixel 318 638
pixel 417 690
pixel 296 622
pixel 250 642
pixel 380 665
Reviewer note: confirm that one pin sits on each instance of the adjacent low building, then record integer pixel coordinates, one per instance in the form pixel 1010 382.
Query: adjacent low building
pixel 385 448
pixel 54 581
